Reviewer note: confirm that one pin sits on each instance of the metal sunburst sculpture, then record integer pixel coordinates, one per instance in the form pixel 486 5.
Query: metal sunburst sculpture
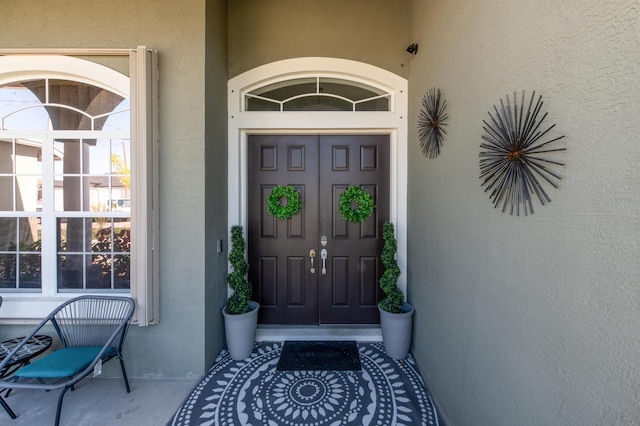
pixel 431 120
pixel 516 156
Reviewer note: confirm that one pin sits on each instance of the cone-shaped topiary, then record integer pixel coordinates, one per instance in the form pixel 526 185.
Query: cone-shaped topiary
pixel 389 281
pixel 238 302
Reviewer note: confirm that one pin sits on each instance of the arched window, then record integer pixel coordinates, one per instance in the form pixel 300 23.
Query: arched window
pixel 74 173
pixel 76 181
pixel 317 93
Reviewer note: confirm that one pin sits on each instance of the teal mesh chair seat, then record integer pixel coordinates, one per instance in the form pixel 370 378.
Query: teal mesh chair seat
pixel 91 330
pixel 64 362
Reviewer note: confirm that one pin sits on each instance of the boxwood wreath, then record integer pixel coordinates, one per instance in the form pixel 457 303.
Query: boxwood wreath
pixel 355 194
pixel 274 202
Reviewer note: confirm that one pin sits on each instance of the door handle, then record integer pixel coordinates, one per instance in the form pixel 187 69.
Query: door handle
pixel 312 255
pixel 323 255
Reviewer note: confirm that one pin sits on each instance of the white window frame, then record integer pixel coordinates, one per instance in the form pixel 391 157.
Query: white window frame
pixel 141 87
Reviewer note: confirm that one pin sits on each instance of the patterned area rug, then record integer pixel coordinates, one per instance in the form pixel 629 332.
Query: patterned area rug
pixel 252 392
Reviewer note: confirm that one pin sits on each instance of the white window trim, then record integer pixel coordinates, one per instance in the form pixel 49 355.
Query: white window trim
pixel 141 89
pixel 241 123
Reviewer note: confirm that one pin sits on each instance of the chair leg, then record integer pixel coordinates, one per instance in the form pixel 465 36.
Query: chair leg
pixel 124 373
pixel 59 408
pixel 7 408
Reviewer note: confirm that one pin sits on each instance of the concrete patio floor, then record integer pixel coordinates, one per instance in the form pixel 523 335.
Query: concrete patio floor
pixel 101 401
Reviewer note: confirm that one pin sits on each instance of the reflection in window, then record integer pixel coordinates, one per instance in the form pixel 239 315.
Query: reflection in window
pixel 20 257
pixel 81 185
pixel 93 175
pixel 95 251
pixel 20 174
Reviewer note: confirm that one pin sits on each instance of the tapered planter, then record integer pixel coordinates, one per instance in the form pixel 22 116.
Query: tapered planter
pixel 240 331
pixel 396 331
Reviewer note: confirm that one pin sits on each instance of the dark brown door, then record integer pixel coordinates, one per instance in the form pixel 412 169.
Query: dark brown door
pixel 320 168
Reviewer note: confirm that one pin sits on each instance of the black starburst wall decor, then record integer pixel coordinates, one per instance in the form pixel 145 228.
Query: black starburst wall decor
pixel 431 122
pixel 518 154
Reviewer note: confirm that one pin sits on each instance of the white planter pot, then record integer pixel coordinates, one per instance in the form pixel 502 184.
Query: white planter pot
pixel 240 331
pixel 396 331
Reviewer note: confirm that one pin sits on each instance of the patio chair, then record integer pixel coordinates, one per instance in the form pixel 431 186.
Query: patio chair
pixel 91 329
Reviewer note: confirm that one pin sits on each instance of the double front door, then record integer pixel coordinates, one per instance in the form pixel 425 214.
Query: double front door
pixel 316 268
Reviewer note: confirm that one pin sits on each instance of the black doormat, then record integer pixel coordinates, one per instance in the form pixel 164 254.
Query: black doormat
pixel 303 356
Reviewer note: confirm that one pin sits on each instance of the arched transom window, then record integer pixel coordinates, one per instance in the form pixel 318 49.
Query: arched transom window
pixel 317 93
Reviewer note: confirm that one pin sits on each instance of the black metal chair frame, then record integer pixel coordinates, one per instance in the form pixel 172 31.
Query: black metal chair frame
pixel 97 321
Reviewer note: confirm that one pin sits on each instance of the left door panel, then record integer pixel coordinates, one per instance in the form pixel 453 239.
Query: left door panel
pixel 280 267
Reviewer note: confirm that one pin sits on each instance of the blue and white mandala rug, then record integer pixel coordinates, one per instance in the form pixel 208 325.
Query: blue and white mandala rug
pixel 252 392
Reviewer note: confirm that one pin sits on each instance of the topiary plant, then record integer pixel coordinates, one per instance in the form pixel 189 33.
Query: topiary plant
pixel 394 297
pixel 238 302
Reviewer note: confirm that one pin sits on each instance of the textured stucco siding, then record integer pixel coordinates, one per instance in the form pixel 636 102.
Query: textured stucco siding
pixel 370 31
pixel 529 320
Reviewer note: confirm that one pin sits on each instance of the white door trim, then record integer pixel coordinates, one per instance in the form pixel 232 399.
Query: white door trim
pixel 393 123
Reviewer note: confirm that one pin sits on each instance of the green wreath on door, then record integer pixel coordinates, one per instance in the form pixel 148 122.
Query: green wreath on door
pixel 356 195
pixel 290 209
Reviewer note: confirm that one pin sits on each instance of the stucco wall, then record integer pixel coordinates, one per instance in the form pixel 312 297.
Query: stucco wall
pixel 215 176
pixel 370 31
pixel 175 347
pixel 529 320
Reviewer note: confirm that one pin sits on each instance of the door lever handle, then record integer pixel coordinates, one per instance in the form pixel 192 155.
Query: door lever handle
pixel 312 255
pixel 323 256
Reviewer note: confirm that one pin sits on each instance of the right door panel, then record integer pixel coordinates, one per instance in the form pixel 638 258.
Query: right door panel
pixel 349 292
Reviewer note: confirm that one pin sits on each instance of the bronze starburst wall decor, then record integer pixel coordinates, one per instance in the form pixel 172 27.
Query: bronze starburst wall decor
pixel 517 155
pixel 431 122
